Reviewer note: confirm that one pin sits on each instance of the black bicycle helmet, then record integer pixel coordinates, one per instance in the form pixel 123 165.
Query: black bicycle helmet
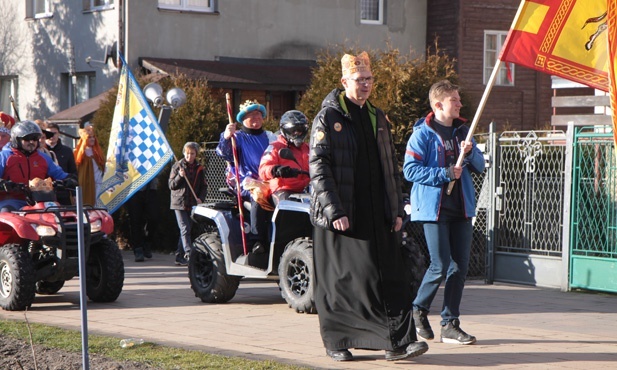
pixel 294 126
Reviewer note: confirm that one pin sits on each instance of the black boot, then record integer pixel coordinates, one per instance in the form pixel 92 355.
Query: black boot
pixel 139 254
pixel 147 250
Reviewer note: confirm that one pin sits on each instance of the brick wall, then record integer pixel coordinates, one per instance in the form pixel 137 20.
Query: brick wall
pixel 460 26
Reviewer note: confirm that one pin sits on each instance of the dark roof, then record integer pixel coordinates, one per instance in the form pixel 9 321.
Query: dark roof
pixel 237 73
pixel 79 113
pixel 229 73
pixel 84 111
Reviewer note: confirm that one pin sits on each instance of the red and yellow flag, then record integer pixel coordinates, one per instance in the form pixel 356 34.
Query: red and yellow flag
pixel 612 57
pixel 566 38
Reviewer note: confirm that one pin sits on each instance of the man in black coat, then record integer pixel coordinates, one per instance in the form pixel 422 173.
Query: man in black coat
pixel 64 156
pixel 362 296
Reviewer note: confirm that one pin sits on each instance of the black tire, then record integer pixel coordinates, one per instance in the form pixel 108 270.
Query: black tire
pixel 16 278
pixel 296 275
pixel 414 258
pixel 48 287
pixel 207 273
pixel 104 272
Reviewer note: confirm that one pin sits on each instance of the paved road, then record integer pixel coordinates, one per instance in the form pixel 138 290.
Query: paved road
pixel 518 327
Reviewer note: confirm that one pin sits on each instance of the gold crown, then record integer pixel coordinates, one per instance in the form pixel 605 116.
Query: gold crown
pixel 247 104
pixel 352 64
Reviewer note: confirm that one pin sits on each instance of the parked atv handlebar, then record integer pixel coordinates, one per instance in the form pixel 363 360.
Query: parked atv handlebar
pixel 69 184
pixel 285 153
pixel 10 186
pixel 286 171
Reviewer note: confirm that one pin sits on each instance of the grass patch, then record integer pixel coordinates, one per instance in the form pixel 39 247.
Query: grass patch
pixel 147 353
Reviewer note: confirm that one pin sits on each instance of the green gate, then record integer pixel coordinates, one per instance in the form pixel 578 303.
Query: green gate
pixel 593 238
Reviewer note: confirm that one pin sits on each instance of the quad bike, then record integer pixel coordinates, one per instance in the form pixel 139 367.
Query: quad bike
pixel 39 250
pixel 217 261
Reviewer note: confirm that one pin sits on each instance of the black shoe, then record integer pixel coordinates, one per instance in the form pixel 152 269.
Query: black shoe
pixel 340 355
pixel 181 260
pixel 423 327
pixel 452 333
pixel 147 253
pixel 259 248
pixel 397 354
pixel 139 255
pixel 414 349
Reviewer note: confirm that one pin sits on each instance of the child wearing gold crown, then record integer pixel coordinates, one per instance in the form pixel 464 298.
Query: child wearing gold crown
pixel 251 142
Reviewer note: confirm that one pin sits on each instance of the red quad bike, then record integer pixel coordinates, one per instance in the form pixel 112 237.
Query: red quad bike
pixel 39 251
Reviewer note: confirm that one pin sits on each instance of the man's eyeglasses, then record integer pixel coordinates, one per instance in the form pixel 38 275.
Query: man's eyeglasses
pixel 48 134
pixel 31 137
pixel 362 80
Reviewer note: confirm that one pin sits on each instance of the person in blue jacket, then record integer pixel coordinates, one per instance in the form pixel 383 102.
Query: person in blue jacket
pixel 430 164
pixel 251 142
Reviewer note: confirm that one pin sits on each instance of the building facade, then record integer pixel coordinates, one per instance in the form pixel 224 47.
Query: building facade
pixel 61 52
pixel 473 32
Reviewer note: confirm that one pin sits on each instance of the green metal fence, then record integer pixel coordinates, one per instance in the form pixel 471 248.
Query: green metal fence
pixel 593 254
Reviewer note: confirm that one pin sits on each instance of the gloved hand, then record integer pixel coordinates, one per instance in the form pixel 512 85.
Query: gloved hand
pixel 284 171
pixel 8 186
pixel 70 182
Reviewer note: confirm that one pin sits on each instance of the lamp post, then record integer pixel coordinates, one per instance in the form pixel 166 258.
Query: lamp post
pixel 175 98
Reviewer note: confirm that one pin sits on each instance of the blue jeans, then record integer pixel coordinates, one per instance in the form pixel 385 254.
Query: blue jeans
pixel 184 224
pixel 259 223
pixel 449 245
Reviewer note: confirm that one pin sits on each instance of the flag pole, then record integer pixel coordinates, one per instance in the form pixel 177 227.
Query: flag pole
pixel 487 91
pixel 476 118
pixel 237 166
pixel 188 182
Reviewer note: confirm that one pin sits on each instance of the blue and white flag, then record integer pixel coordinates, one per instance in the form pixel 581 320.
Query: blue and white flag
pixel 138 149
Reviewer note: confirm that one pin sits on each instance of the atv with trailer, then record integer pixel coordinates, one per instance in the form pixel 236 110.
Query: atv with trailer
pixel 217 261
pixel 39 250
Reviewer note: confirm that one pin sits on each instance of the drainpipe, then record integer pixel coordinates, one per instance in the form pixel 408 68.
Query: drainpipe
pixel 124 30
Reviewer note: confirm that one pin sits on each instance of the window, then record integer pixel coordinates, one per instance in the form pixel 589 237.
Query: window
pixel 493 41
pixel 8 88
pixel 208 6
pixel 79 87
pixel 94 5
pixel 41 9
pixel 371 11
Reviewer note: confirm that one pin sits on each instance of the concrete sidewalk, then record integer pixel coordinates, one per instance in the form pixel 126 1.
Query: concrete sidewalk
pixel 517 327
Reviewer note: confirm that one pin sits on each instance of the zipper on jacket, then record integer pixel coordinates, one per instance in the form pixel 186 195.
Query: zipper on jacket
pixel 22 170
pixel 458 153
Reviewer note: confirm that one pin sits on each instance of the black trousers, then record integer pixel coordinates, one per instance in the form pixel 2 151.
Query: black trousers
pixel 143 210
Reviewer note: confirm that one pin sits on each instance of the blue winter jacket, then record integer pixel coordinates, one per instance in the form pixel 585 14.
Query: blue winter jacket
pixel 425 167
pixel 250 148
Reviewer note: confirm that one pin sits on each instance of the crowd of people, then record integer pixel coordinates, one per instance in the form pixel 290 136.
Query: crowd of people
pixel 350 169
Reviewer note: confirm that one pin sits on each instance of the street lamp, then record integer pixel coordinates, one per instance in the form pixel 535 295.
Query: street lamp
pixel 175 98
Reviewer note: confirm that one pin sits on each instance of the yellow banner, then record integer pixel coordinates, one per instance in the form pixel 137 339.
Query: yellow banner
pixel 138 149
